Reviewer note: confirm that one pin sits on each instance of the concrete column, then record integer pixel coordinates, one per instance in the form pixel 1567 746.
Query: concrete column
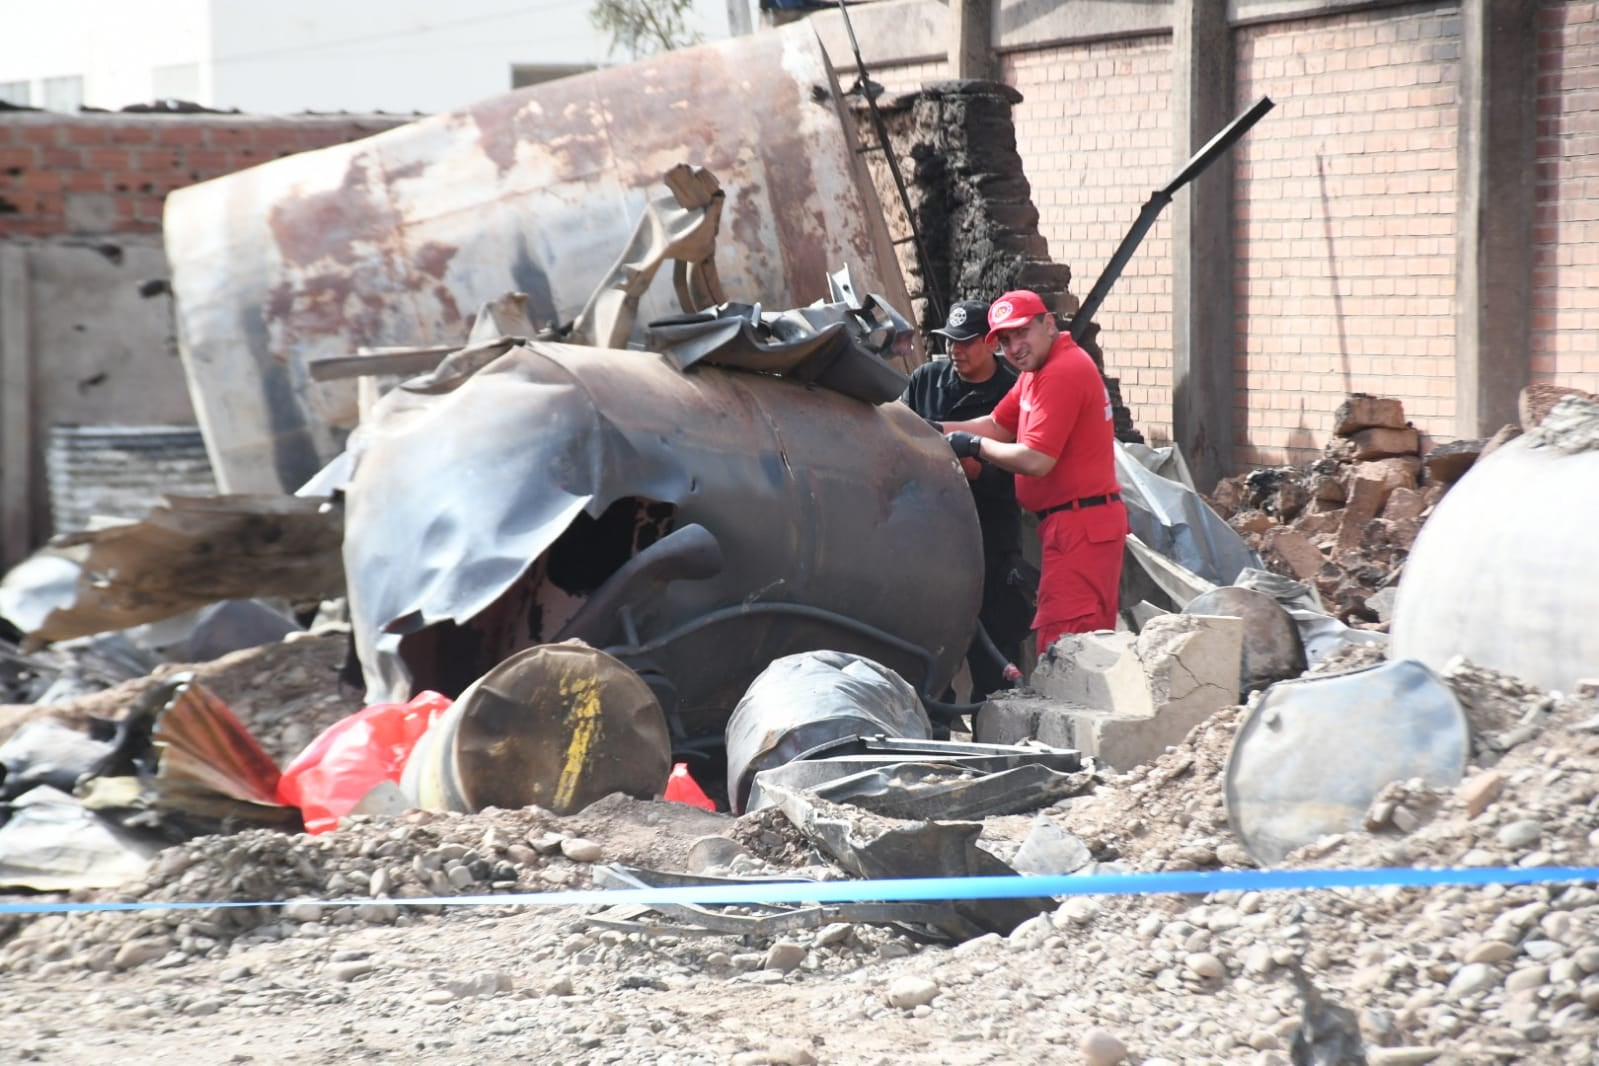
pixel 1497 197
pixel 17 490
pixel 1203 334
pixel 971 46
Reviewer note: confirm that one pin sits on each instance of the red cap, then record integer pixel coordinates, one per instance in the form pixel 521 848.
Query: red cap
pixel 1014 310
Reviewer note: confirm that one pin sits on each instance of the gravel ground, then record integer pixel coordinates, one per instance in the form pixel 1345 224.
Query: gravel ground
pixel 1452 975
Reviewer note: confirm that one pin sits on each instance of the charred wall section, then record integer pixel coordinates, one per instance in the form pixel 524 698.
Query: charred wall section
pixel 955 142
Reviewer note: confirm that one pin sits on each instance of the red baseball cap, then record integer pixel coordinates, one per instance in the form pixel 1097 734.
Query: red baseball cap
pixel 1014 310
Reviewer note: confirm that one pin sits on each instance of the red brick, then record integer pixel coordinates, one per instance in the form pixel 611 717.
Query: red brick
pixel 181 132
pixel 41 134
pixel 107 159
pixel 132 135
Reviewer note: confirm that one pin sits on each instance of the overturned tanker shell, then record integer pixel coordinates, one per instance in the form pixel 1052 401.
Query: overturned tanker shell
pixel 397 238
pixel 556 726
pixel 697 524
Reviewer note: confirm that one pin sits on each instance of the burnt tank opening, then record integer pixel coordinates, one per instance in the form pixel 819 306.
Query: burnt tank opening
pixel 450 656
pixel 592 549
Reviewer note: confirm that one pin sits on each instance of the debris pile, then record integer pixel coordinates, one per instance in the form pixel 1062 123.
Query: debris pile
pixel 1494 974
pixel 1345 523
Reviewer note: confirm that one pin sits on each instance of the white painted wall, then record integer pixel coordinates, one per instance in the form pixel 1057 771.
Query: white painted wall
pixel 302 55
pixel 114 47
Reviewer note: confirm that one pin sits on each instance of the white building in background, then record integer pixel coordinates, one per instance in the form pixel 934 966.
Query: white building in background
pixel 304 55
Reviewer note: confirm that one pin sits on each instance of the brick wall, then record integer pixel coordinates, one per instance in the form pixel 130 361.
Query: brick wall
pixel 93 173
pixel 1094 130
pixel 1346 225
pixel 905 78
pixel 1565 299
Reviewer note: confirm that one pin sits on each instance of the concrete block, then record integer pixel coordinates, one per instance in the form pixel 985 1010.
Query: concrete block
pixel 1121 699
pixel 1191 661
pixel 1380 442
pixel 1099 670
pixel 1014 719
pixel 1361 411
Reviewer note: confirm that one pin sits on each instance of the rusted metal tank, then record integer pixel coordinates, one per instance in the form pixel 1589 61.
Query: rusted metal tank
pixel 395 239
pixel 695 524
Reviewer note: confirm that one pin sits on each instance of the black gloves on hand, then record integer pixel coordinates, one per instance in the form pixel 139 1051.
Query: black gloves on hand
pixel 965 445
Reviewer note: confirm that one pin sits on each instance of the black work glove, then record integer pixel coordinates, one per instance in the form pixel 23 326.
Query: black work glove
pixel 965 445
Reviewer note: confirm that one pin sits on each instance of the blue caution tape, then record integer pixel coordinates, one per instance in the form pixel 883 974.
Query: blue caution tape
pixel 925 888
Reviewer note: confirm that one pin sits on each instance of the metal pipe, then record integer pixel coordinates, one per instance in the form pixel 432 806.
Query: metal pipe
pixel 1225 139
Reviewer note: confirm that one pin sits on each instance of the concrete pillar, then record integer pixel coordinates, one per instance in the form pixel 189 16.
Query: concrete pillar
pixel 1497 197
pixel 17 487
pixel 1203 334
pixel 971 48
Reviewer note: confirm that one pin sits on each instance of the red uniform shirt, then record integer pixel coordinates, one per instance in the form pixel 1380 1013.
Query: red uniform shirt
pixel 1063 410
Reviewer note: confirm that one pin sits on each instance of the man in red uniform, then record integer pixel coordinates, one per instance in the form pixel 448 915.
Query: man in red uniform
pixel 1054 431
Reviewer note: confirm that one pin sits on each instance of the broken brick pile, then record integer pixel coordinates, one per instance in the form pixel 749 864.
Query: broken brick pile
pixel 1345 523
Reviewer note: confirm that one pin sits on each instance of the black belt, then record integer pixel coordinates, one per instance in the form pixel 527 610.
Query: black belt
pixel 1077 505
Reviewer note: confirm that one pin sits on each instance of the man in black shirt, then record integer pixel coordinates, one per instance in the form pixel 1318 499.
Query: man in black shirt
pixel 963 387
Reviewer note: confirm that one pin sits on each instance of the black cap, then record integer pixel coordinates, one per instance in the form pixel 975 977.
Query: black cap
pixel 967 320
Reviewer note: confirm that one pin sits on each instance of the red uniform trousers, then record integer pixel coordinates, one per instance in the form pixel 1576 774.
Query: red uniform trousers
pixel 1081 572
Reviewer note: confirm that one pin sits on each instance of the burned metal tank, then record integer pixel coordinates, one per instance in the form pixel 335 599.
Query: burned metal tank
pixel 695 524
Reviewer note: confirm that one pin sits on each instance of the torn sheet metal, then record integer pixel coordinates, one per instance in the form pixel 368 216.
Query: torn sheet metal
pixel 872 847
pixel 679 225
pixel 696 525
pixel 184 763
pixel 1176 522
pixel 48 752
pixel 758 920
pixel 922 791
pixel 846 345
pixel 395 239
pixel 942 777
pixel 52 843
pixel 193 551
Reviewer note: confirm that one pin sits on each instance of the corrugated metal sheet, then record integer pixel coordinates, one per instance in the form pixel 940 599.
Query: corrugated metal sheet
pixel 121 471
pixel 396 239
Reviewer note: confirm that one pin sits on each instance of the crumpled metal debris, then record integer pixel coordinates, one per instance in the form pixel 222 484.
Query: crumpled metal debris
pixel 750 920
pixel 868 846
pixel 844 345
pixel 681 226
pixel 1175 521
pixel 921 779
pixel 52 843
pixel 187 553
pixel 183 763
pixel 694 524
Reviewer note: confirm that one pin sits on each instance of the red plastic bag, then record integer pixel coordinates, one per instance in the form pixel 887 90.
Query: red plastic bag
pixel 352 756
pixel 682 788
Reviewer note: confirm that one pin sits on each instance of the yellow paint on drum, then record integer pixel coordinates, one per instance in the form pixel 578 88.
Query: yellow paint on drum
pixel 582 697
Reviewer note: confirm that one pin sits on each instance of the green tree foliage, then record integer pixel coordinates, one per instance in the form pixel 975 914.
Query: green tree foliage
pixel 642 28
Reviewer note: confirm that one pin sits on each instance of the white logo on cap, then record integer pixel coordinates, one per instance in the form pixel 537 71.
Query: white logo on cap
pixel 957 317
pixel 1001 312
